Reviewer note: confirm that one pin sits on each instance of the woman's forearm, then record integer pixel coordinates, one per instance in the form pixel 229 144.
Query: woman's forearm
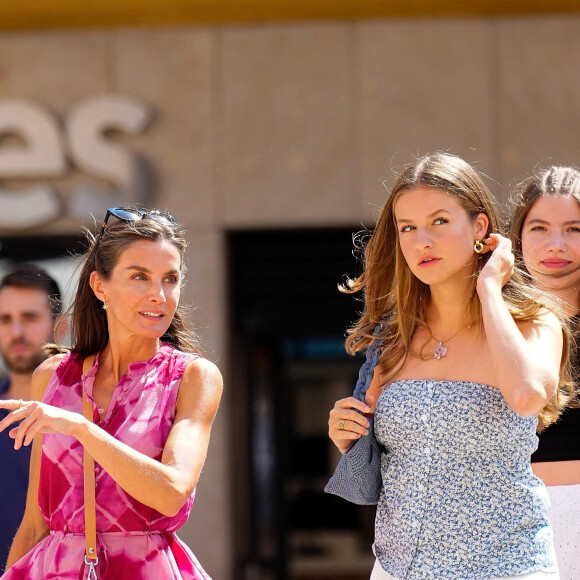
pixel 162 487
pixel 525 377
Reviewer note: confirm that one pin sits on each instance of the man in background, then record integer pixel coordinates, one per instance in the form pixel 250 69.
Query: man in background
pixel 30 302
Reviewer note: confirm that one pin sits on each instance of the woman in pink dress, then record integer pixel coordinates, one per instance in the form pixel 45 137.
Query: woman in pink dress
pixel 154 401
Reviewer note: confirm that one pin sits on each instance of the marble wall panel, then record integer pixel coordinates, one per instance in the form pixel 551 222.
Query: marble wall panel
pixel 171 70
pixel 287 125
pixel 55 68
pixel 538 93
pixel 424 86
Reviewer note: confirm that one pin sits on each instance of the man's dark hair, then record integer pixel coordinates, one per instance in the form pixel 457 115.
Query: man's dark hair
pixel 32 276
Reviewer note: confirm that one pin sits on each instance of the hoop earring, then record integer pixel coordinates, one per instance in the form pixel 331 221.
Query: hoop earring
pixel 478 247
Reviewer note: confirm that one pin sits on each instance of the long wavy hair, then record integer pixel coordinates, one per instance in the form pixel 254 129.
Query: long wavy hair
pixel 89 331
pixel 393 295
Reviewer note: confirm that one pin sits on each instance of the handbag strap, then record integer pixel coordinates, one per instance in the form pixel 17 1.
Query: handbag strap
pixel 367 369
pixel 91 556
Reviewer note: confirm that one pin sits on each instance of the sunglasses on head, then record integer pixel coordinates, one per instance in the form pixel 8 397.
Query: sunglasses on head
pixel 128 214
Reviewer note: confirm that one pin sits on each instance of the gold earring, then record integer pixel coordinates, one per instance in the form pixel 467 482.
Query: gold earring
pixel 478 247
pixel 105 305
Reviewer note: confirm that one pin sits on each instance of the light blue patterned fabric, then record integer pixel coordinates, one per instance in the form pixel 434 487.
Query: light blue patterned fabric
pixel 357 477
pixel 459 500
pixel 367 369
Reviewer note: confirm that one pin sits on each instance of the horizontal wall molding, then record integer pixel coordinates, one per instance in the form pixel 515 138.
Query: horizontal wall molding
pixel 18 14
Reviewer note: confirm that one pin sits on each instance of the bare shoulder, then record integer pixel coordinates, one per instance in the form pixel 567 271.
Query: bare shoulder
pixel 201 376
pixel 43 374
pixel 201 370
pixel 48 366
pixel 200 391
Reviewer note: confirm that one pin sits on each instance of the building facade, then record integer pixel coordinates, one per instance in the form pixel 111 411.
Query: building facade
pixel 248 132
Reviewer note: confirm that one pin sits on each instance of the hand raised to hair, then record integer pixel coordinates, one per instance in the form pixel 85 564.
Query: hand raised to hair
pixel 37 418
pixel 500 266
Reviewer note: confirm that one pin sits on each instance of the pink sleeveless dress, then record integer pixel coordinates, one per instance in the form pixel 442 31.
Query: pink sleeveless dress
pixel 135 542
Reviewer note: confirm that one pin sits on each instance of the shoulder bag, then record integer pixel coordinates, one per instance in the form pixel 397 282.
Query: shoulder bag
pixel 357 477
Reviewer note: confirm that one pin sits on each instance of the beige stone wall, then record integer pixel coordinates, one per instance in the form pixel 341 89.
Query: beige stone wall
pixel 298 125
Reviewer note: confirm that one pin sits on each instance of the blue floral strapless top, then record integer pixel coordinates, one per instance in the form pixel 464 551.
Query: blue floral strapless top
pixel 459 499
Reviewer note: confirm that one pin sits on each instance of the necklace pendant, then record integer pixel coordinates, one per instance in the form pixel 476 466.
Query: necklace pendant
pixel 439 351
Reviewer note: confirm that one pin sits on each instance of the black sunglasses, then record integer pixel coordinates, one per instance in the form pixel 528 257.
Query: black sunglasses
pixel 128 214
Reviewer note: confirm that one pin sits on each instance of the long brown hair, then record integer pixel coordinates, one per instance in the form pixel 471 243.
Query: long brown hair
pixel 392 294
pixel 88 321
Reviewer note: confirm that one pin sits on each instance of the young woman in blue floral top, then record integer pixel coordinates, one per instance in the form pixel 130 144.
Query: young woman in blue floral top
pixel 470 364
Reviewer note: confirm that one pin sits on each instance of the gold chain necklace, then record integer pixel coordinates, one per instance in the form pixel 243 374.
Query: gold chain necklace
pixel 440 351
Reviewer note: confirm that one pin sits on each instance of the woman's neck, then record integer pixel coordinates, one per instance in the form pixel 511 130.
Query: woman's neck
pixel 118 355
pixel 447 308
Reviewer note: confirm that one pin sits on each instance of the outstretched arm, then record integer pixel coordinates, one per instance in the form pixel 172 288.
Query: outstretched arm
pixel 163 485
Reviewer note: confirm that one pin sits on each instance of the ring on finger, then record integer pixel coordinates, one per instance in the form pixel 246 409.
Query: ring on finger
pixel 21 404
pixel 341 423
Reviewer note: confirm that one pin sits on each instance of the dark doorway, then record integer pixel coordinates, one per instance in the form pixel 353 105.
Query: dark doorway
pixel 288 323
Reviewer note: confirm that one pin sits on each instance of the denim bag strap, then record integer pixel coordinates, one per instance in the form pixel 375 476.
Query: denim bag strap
pixel 367 369
pixel 357 477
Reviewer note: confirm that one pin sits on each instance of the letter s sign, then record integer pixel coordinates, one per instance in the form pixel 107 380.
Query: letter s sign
pixel 42 156
pixel 89 149
pixel 92 152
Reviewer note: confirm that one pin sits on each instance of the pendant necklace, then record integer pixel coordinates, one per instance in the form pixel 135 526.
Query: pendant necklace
pixel 440 351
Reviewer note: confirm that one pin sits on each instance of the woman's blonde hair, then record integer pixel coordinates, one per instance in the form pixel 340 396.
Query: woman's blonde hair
pixel 393 295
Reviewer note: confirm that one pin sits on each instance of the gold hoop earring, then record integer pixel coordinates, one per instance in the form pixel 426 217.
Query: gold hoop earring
pixel 478 247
